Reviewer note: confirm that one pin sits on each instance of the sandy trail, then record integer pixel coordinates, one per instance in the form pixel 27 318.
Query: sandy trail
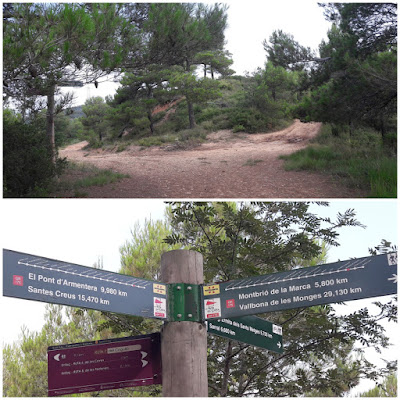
pixel 228 165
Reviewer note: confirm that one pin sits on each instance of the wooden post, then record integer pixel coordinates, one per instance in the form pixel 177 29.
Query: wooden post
pixel 183 344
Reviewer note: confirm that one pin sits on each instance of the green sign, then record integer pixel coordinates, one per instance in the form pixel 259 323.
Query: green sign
pixel 30 277
pixel 251 330
pixel 354 279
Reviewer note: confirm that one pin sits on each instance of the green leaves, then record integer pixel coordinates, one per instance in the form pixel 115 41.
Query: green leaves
pixel 355 83
pixel 247 239
pixel 285 52
pixel 252 239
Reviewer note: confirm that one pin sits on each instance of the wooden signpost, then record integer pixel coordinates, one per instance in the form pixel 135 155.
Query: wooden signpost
pixel 186 304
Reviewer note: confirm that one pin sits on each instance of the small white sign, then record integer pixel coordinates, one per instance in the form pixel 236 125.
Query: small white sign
pixel 160 307
pixel 277 329
pixel 212 307
pixel 392 258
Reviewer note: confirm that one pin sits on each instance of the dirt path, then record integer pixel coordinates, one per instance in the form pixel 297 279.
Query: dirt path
pixel 226 166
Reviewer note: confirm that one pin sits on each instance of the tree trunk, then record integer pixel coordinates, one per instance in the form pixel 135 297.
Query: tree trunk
pixel 351 128
pixel 192 122
pixel 149 114
pixel 225 380
pixel 50 122
pixel 150 118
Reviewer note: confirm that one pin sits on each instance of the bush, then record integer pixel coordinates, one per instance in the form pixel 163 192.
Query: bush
pixel 207 114
pixel 238 128
pixel 250 119
pixel 27 163
pixel 197 133
pixel 361 159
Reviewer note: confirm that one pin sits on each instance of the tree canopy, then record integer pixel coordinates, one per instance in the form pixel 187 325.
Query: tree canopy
pixel 60 44
pixel 357 82
pixel 283 51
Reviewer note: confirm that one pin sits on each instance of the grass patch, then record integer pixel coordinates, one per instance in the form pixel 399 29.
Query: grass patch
pixel 78 177
pixel 99 177
pixel 182 139
pixel 360 160
pixel 251 162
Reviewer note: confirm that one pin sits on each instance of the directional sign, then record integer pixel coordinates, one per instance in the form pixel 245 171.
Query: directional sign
pixel 36 278
pixel 104 365
pixel 251 330
pixel 330 283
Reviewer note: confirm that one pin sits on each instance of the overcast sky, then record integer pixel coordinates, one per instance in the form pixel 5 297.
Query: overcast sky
pixel 80 231
pixel 249 23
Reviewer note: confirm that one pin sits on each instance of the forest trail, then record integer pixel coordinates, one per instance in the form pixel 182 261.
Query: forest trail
pixel 228 165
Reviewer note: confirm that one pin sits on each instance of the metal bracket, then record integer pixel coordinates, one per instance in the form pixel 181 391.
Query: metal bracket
pixel 184 302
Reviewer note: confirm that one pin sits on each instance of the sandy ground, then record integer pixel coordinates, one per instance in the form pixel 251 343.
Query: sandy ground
pixel 228 165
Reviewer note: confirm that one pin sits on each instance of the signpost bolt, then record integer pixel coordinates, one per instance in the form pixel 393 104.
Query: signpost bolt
pixel 190 315
pixel 179 315
pixel 178 288
pixel 189 288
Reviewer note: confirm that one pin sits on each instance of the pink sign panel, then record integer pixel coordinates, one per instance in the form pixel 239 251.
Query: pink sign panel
pixel 104 365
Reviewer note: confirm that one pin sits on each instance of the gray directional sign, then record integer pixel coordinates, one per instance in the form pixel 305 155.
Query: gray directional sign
pixel 330 283
pixel 37 278
pixel 251 330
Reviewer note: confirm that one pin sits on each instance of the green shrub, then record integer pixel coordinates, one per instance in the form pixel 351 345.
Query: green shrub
pixel 28 167
pixel 192 134
pixel 383 178
pixel 251 119
pixel 221 122
pixel 207 114
pixel 93 138
pixel 362 159
pixel 238 128
pixel 150 141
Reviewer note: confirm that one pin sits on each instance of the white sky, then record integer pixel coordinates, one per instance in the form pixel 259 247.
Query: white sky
pixel 249 23
pixel 82 230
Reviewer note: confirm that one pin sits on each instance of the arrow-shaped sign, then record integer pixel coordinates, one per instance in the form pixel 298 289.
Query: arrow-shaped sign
pixel 251 330
pixel 330 283
pixel 110 364
pixel 37 278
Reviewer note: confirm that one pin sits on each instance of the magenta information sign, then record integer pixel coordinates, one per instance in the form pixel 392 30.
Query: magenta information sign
pixel 104 365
